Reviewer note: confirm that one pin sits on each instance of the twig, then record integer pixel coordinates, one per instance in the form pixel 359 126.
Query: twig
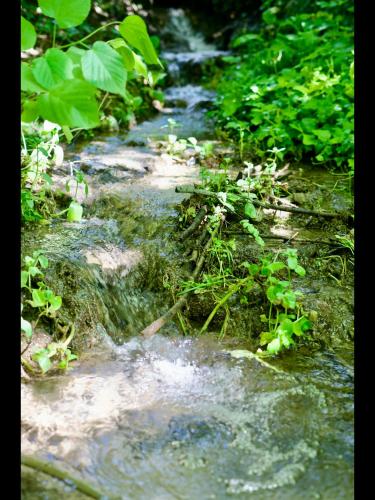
pixel 155 326
pixel 257 203
pixel 194 225
pixel 287 238
pixel 52 470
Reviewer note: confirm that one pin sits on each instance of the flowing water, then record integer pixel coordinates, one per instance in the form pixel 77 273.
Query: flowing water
pixel 172 417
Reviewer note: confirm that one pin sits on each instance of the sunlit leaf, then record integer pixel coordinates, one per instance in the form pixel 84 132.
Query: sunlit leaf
pixel 103 67
pixel 28 35
pixel 75 212
pixel 70 103
pixel 42 358
pixel 52 68
pixel 274 346
pixel 26 328
pixel 134 30
pixel 67 13
pixel 28 81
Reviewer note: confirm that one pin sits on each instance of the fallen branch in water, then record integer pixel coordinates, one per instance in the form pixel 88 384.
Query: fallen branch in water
pixel 52 470
pixel 257 203
pixel 194 225
pixel 287 238
pixel 155 326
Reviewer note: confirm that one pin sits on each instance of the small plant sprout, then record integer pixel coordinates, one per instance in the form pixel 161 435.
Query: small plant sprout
pixel 75 209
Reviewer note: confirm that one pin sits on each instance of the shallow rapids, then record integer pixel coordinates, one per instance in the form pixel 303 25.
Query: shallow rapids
pixel 179 418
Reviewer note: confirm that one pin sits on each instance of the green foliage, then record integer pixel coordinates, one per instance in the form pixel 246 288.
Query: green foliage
pixel 70 103
pixel 42 297
pixel 290 322
pixel 28 35
pixel 67 13
pixel 61 86
pixel 103 67
pixel 292 85
pixel 286 319
pixel 40 151
pixel 134 31
pixel 44 300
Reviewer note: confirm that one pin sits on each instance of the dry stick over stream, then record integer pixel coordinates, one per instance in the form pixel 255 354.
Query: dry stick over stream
pixel 157 324
pixel 257 203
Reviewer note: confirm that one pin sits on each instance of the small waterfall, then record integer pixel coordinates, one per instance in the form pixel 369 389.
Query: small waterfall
pixel 185 49
pixel 180 31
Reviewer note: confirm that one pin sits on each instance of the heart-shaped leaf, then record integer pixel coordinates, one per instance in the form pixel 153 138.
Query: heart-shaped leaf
pixel 70 103
pixel 103 67
pixel 67 13
pixel 28 35
pixel 52 68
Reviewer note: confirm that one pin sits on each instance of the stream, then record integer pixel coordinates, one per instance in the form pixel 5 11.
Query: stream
pixel 170 417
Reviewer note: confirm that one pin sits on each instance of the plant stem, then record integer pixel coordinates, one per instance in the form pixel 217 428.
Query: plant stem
pixel 233 289
pixel 89 35
pixel 52 470
pixel 54 34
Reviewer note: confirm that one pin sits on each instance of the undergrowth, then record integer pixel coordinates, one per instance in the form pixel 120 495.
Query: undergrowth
pixel 290 85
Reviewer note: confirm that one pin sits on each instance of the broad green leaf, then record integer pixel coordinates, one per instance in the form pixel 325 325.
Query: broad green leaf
pixel 139 66
pixel 75 54
pixel 308 140
pixel 266 337
pixel 55 302
pixel 71 103
pixel 308 124
pixel 67 13
pixel 28 261
pixel 26 328
pixel 103 67
pixel 52 68
pixel 323 135
pixel 24 278
pixel 75 212
pixel 28 82
pixel 28 35
pixel 244 39
pixel 134 30
pixel 38 298
pixel 30 111
pixel 285 327
pixel 286 340
pixel 125 52
pixel 42 358
pixel 274 346
pixel 34 271
pixel 289 300
pixel 276 266
pixel 43 261
pixel 250 210
pixel 292 262
pixel 300 270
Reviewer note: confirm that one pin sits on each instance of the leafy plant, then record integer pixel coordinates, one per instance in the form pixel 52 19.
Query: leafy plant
pixel 291 84
pixel 44 300
pixel 42 297
pixel 61 85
